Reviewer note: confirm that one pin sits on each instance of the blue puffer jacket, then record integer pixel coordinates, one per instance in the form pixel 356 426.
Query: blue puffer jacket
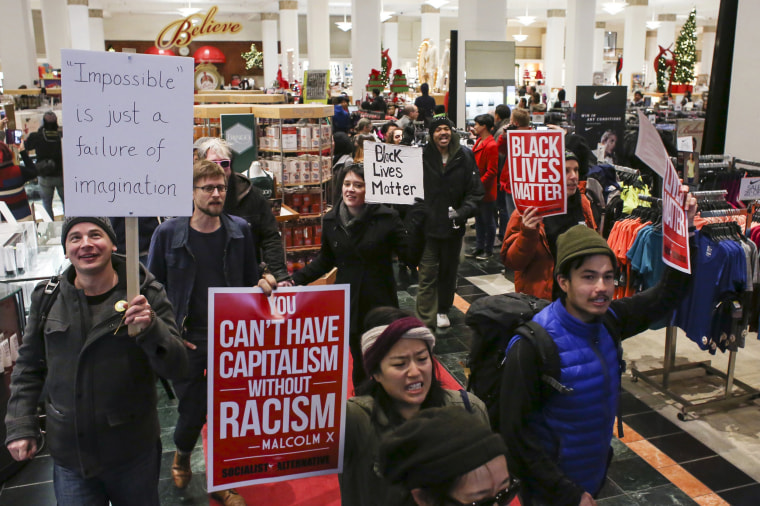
pixel 576 428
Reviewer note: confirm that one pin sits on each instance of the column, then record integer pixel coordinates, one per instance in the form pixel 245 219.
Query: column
pixel 318 33
pixel 97 35
pixel 599 29
pixel 289 39
pixel 666 33
pixel 55 27
pixel 17 52
pixel 478 20
pixel 269 41
pixel 650 54
pixel 741 137
pixel 580 45
pixel 390 39
pixel 365 43
pixel 554 52
pixel 634 40
pixel 430 26
pixel 708 48
pixel 79 24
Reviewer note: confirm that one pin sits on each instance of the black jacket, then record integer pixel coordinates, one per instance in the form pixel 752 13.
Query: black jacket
pixel 47 146
pixel 100 383
pixel 362 253
pixel 457 185
pixel 245 200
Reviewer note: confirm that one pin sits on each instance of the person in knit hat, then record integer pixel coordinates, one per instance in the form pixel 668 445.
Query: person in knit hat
pixel 453 190
pixel 99 382
pixel 12 180
pixel 559 436
pixel 446 456
pixel 397 351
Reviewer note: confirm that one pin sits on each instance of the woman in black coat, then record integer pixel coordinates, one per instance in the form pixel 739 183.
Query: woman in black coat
pixel 359 239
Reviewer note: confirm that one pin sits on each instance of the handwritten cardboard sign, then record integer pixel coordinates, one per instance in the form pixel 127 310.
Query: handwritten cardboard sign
pixel 392 173
pixel 537 170
pixel 675 226
pixel 277 373
pixel 316 86
pixel 127 144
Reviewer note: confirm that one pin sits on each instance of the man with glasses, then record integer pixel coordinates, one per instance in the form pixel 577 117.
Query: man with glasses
pixel 245 200
pixel 446 456
pixel 188 256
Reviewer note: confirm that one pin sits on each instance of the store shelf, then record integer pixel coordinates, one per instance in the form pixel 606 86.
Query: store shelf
pixel 230 98
pixel 299 150
pixel 304 248
pixel 315 183
pixel 213 111
pixel 292 111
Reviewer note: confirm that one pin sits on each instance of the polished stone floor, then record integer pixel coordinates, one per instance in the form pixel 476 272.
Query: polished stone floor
pixel 710 460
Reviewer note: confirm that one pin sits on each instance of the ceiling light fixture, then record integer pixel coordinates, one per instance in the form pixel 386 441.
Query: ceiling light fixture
pixel 526 20
pixel 653 24
pixel 614 7
pixel 344 25
pixel 437 3
pixel 188 11
pixel 385 16
pixel 520 37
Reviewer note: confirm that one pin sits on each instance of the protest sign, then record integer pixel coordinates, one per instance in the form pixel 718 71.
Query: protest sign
pixel 675 230
pixel 128 134
pixel 392 173
pixel 749 188
pixel 537 170
pixel 277 369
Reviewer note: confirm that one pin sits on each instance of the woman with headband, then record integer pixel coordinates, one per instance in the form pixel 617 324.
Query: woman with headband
pixel 397 351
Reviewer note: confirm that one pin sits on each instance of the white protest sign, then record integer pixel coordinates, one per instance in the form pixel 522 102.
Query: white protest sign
pixel 128 134
pixel 392 173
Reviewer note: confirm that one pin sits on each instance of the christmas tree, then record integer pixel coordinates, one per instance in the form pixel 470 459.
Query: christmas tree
pixel 686 50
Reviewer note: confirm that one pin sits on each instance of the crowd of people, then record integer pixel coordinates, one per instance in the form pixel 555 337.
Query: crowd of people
pixel 407 439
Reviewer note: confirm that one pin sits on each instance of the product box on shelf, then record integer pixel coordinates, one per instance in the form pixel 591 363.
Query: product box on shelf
pixel 289 137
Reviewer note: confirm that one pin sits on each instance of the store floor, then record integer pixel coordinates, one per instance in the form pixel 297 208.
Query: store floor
pixel 711 460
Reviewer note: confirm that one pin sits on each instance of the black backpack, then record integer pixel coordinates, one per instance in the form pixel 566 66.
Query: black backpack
pixel 495 320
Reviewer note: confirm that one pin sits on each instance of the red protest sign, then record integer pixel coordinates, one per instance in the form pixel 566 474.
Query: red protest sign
pixel 277 370
pixel 675 227
pixel 537 170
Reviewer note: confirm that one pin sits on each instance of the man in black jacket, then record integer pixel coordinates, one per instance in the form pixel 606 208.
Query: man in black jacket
pixel 46 143
pixel 452 191
pixel 245 200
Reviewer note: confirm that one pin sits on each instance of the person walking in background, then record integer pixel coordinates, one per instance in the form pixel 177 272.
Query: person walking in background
pixel 46 143
pixel 425 104
pixel 452 192
pixel 487 159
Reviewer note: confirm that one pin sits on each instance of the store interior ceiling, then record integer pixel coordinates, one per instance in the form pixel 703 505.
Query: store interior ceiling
pixel 707 10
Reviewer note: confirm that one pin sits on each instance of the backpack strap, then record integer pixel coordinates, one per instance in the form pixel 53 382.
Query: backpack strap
pixel 611 324
pixel 466 400
pixel 547 353
pixel 49 293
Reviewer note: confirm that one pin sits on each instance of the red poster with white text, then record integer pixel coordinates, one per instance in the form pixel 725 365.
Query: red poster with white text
pixel 277 370
pixel 537 170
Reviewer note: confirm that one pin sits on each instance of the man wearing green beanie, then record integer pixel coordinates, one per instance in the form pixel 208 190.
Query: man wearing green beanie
pixel 559 438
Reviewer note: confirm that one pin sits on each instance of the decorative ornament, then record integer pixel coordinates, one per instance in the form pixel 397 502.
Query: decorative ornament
pixel 385 67
pixel 207 77
pixel 253 58
pixel 427 62
pixel 686 51
pixel 665 67
pixel 281 82
pixel 399 84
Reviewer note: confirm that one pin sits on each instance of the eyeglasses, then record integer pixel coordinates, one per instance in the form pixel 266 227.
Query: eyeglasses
pixel 209 188
pixel 501 499
pixel 225 164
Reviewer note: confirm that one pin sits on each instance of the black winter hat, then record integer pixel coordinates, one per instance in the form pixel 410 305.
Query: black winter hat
pixel 100 221
pixel 436 122
pixel 437 446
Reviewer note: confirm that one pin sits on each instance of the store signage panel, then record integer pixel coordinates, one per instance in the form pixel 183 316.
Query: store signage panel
pixel 239 130
pixel 675 226
pixel 537 170
pixel 182 32
pixel 316 86
pixel 277 369
pixel 600 118
pixel 392 173
pixel 128 134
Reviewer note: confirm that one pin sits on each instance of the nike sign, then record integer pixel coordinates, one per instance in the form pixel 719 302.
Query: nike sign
pixel 597 96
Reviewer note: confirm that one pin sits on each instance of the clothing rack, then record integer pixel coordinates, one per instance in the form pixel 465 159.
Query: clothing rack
pixel 724 400
pixel 747 162
pixel 626 170
pixel 715 165
pixel 722 212
pixel 649 198
pixel 708 158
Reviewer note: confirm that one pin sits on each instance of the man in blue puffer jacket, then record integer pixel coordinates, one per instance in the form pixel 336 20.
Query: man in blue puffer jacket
pixel 559 443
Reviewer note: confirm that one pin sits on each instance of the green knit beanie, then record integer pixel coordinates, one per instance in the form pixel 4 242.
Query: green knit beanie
pixel 580 241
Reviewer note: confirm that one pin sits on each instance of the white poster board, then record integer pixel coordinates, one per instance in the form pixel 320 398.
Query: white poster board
pixel 749 188
pixel 392 173
pixel 128 134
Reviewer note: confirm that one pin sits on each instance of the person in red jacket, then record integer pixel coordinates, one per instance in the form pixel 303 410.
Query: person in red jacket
pixel 519 120
pixel 487 158
pixel 530 243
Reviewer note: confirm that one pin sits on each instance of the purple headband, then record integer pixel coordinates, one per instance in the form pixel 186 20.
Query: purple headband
pixel 375 347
